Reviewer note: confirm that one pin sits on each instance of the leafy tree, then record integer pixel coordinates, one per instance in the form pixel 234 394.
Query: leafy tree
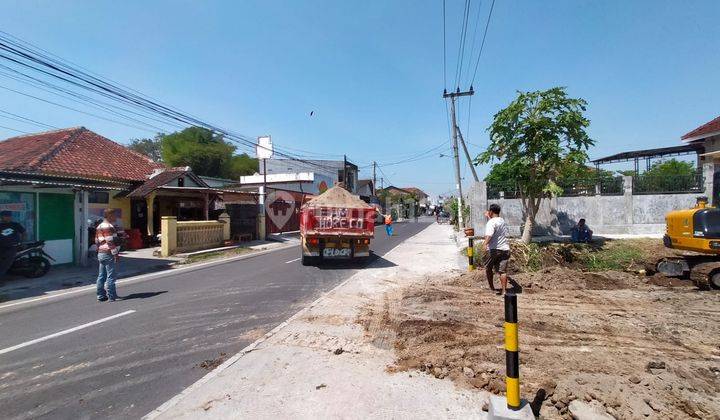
pixel 148 147
pixel 670 175
pixel 242 164
pixel 534 138
pixel 207 153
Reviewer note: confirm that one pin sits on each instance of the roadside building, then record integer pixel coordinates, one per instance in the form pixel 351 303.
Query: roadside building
pixel 708 137
pixel 333 171
pixel 420 195
pixel 55 181
pixel 57 184
pixel 365 189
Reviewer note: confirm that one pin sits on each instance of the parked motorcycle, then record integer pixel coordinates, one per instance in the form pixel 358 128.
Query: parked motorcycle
pixel 31 260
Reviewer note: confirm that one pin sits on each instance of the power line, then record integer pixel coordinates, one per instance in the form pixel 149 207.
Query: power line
pixel 26 120
pixel 444 51
pixel 60 69
pixel 72 109
pixel 482 45
pixel 461 47
pixel 418 156
pixel 14 129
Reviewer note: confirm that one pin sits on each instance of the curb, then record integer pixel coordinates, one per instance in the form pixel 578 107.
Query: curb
pixel 149 276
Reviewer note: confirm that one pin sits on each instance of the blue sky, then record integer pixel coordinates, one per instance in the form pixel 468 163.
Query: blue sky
pixel 372 71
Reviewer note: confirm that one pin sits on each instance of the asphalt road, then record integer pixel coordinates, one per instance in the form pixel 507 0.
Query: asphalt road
pixel 155 342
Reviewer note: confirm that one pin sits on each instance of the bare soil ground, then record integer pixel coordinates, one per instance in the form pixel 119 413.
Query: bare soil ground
pixel 633 346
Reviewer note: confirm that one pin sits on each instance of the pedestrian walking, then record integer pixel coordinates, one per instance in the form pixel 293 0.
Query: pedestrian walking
pixel 11 235
pixel 388 225
pixel 106 240
pixel 497 247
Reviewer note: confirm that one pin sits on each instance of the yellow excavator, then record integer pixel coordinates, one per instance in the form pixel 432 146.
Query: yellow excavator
pixel 696 230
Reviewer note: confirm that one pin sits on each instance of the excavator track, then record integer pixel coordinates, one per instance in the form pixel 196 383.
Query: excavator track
pixel 704 271
pixel 703 274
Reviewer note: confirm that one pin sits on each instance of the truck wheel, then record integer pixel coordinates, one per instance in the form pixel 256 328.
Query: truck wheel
pixel 305 260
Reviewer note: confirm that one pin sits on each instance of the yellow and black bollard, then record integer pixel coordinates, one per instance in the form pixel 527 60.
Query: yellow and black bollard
pixel 470 250
pixel 512 359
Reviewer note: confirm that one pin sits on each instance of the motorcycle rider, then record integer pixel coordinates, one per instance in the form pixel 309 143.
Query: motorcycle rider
pixel 11 235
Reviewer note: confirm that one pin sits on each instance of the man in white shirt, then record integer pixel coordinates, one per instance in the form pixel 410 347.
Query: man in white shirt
pixel 497 247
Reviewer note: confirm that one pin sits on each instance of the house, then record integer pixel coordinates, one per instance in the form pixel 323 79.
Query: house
pixel 303 182
pixel 409 206
pixel 419 194
pixel 57 183
pixel 333 170
pixel 365 189
pixel 47 180
pixel 708 137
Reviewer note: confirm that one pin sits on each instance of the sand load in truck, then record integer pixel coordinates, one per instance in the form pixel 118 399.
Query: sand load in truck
pixel 336 225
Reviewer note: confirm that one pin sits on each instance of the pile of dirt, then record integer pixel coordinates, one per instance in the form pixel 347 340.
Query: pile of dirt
pixel 609 338
pixel 338 196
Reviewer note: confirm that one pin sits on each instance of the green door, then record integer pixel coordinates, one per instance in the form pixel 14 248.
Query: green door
pixel 56 225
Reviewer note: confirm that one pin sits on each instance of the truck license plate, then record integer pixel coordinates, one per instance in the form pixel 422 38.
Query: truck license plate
pixel 336 252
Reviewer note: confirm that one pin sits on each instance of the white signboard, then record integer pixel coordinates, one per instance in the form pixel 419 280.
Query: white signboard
pixel 264 148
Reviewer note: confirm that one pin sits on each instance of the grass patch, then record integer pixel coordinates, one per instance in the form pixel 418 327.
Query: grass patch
pixel 619 254
pixel 615 255
pixel 216 255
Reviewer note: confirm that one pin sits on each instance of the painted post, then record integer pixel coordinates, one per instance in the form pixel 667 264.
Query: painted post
pixel 512 359
pixel 225 219
pixel 470 250
pixel 168 229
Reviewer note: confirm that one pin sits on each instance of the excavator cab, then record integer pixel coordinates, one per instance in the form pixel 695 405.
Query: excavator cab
pixel 696 230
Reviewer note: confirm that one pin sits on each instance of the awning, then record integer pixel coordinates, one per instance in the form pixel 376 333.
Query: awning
pixel 685 149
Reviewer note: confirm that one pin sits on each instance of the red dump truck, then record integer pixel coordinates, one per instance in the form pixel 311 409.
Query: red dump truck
pixel 336 225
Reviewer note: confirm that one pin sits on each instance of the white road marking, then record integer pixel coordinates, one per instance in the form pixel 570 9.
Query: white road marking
pixel 149 276
pixel 232 360
pixel 288 262
pixel 68 331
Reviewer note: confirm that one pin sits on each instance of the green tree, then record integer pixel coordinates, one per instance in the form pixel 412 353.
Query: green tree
pixel 148 147
pixel 207 153
pixel 667 176
pixel 534 138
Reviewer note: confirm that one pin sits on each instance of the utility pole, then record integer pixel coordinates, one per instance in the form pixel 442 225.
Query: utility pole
pixel 382 183
pixel 467 155
pixel 452 96
pixel 374 179
pixel 347 187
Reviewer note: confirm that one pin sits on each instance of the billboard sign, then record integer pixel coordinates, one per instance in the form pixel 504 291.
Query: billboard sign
pixel 264 147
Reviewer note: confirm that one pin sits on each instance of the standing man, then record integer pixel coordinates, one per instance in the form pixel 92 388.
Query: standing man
pixel 11 235
pixel 497 247
pixel 106 240
pixel 388 224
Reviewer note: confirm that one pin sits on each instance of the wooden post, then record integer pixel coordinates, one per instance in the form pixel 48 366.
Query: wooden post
pixel 150 201
pixel 84 239
pixel 168 243
pixel 206 206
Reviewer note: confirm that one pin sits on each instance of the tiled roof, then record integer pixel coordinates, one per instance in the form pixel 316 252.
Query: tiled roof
pixel 705 129
pixel 162 179
pixel 417 191
pixel 76 152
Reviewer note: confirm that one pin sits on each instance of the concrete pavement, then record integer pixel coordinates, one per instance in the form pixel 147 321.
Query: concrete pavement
pixel 321 364
pixel 71 357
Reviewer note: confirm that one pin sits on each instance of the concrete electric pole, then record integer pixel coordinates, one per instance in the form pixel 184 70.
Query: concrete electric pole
pixel 452 96
pixel 467 155
pixel 374 179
